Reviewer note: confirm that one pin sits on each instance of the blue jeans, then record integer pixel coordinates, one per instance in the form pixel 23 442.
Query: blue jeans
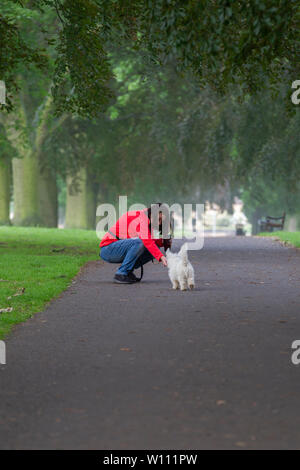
pixel 131 252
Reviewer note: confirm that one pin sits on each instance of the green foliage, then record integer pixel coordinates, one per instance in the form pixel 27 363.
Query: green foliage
pixel 141 70
pixel 263 196
pixel 292 238
pixel 7 151
pixel 82 69
pixel 225 42
pixel 220 43
pixel 15 52
pixel 165 135
pixel 267 163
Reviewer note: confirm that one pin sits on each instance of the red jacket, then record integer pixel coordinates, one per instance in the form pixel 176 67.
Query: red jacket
pixel 131 225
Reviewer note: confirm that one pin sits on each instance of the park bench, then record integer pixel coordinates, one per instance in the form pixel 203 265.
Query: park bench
pixel 270 223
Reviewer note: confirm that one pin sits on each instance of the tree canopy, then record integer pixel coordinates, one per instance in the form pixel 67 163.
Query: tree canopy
pixel 219 42
pixel 144 98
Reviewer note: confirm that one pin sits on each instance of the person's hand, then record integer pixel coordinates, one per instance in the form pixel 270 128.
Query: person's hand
pixel 164 261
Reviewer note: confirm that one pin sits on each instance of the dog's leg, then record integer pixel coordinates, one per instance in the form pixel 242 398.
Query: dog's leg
pixel 183 284
pixel 191 278
pixel 175 284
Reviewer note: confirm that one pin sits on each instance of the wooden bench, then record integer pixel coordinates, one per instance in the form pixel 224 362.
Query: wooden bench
pixel 272 223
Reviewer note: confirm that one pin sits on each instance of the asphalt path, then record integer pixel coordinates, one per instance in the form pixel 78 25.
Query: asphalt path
pixel 141 366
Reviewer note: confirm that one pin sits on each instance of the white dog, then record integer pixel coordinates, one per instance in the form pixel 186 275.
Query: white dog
pixel 181 272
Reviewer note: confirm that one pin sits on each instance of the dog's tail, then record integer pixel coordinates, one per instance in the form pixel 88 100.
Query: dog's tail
pixel 183 254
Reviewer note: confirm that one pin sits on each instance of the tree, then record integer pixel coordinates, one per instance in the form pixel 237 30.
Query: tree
pixel 27 124
pixel 5 177
pixel 220 42
pixel 267 157
pixel 137 85
pixel 16 51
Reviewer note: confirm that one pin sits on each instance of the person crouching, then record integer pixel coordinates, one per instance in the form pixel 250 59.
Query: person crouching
pixel 130 242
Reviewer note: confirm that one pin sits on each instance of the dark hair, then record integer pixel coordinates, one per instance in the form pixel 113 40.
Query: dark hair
pixel 149 213
pixel 149 210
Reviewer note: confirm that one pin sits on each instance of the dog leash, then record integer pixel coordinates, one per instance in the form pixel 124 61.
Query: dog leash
pixel 138 279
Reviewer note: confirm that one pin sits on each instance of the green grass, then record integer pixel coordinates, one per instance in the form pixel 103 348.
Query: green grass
pixel 290 237
pixel 43 261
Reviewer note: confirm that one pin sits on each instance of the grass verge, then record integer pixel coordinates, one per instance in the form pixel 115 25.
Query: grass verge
pixel 36 265
pixel 290 237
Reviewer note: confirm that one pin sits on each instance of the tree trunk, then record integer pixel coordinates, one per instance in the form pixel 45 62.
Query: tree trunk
pixel 47 198
pixel 5 180
pixel 25 170
pixel 34 187
pixel 47 187
pixel 81 202
pixel 254 221
pixel 25 192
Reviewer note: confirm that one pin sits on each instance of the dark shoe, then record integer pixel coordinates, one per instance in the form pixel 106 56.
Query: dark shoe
pixel 133 277
pixel 122 279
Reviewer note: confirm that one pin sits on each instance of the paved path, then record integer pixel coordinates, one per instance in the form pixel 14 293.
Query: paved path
pixel 143 367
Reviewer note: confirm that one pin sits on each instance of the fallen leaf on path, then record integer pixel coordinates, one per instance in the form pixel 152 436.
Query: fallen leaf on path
pixel 19 292
pixel 125 349
pixel 6 310
pixel 74 410
pixel 221 402
pixel 240 444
